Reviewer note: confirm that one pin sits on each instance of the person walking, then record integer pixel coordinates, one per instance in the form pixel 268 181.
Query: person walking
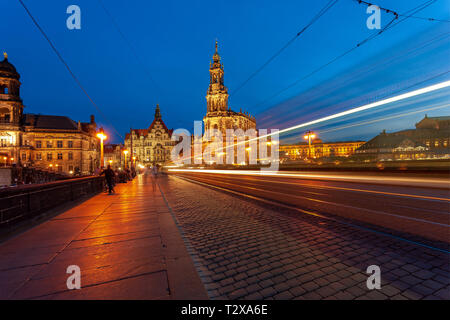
pixel 109 177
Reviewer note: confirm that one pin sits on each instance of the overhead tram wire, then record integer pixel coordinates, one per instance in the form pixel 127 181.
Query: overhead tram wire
pixel 58 54
pixel 402 15
pixel 359 44
pixel 328 6
pixel 131 47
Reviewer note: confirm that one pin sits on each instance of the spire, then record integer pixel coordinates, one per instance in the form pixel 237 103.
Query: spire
pixel 216 56
pixel 6 55
pixel 157 112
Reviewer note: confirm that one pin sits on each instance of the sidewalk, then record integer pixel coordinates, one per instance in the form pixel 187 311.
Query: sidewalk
pixel 126 245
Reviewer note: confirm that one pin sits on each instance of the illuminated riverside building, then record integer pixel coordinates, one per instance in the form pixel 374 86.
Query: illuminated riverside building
pixel 319 149
pixel 152 145
pixel 46 142
pixel 429 140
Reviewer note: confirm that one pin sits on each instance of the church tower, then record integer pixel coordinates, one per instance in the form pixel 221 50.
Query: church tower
pixel 217 95
pixel 11 107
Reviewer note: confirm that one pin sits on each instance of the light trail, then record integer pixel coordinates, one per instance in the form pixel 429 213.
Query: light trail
pixel 439 183
pixel 372 105
pixel 407 95
pixel 384 119
pixel 312 213
pixel 357 190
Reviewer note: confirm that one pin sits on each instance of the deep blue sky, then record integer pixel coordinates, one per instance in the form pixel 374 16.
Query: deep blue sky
pixel 175 41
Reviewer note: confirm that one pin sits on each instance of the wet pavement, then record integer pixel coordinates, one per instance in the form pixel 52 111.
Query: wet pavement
pixel 126 245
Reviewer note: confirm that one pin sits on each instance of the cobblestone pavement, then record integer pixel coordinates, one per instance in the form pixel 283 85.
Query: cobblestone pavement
pixel 245 251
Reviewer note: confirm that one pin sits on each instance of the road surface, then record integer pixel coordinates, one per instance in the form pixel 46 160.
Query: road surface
pixel 414 205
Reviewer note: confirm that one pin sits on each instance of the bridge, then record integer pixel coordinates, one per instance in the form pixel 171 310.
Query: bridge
pixel 207 235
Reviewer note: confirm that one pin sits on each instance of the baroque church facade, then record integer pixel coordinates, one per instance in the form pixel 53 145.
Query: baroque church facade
pixel 219 115
pixel 45 142
pixel 152 145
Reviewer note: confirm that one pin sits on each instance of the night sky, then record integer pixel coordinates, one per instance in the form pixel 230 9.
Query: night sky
pixel 174 42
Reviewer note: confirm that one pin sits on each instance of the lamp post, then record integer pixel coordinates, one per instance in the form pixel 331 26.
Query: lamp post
pixel 125 152
pixel 102 137
pixel 309 136
pixel 133 163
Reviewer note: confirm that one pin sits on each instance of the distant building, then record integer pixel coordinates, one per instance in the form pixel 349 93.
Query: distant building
pixel 219 115
pixel 113 155
pixel 152 145
pixel 319 149
pixel 53 143
pixel 429 140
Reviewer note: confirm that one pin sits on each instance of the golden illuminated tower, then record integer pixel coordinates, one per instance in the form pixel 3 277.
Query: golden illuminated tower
pixel 218 115
pixel 217 95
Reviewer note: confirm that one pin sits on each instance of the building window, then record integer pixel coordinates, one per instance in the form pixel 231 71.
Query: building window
pixel 445 143
pixel 49 156
pixel 60 156
pixel 38 144
pixel 71 168
pixel 24 156
pixel 436 143
pixel 59 144
pixel 38 156
pixel 60 168
pixel 70 156
pixel 49 144
pixel 70 144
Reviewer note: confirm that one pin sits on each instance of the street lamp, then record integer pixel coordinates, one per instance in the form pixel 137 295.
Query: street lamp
pixel 309 135
pixel 102 137
pixel 125 152
pixel 133 163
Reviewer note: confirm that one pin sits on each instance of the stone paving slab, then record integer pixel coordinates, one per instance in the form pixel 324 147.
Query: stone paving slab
pixel 243 250
pixel 126 245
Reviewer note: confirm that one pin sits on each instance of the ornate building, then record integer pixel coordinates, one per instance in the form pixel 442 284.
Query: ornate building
pixel 429 140
pixel 53 143
pixel 219 115
pixel 152 145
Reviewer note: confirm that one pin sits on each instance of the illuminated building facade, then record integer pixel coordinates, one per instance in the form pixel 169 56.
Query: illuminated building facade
pixel 152 145
pixel 319 149
pixel 113 155
pixel 46 142
pixel 429 140
pixel 219 115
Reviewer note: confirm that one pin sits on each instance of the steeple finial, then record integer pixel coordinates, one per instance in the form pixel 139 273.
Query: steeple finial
pixel 216 57
pixel 157 112
pixel 6 55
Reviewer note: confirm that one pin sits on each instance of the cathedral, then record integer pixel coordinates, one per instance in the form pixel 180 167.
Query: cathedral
pixel 45 142
pixel 219 115
pixel 152 145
